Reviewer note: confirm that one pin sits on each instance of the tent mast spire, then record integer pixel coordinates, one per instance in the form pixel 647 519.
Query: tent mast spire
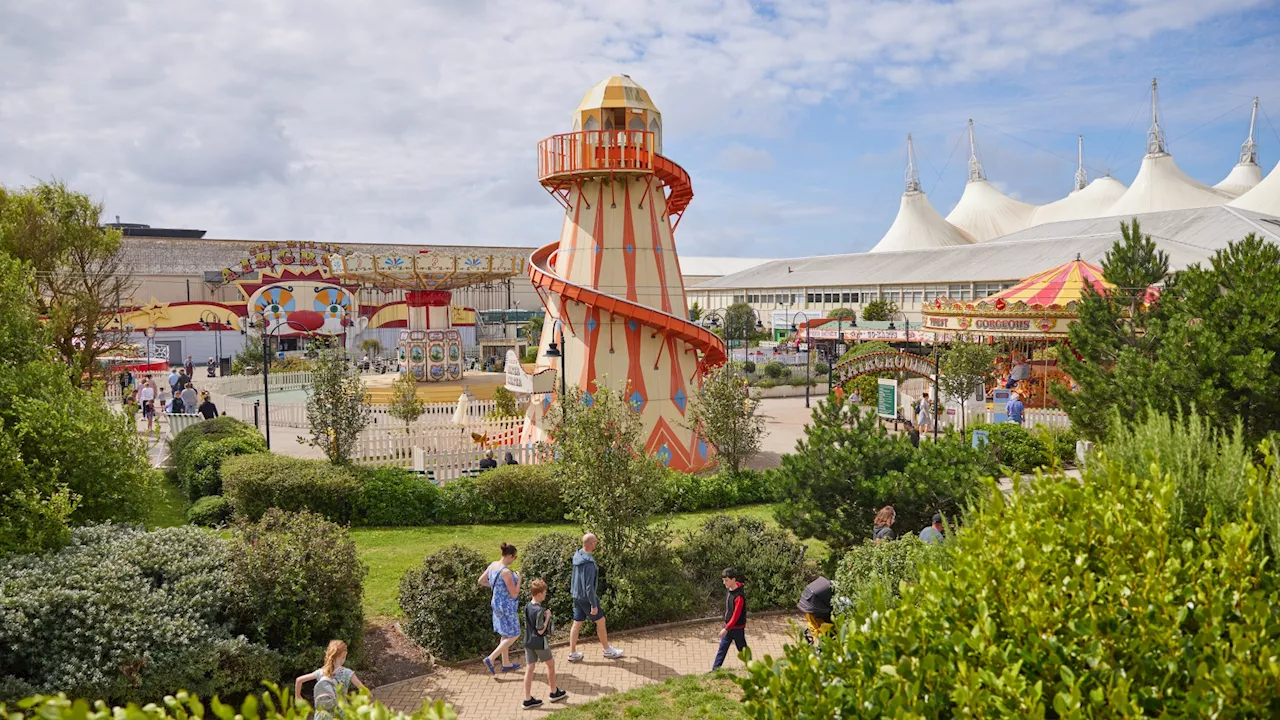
pixel 913 175
pixel 1155 136
pixel 1249 150
pixel 975 165
pixel 1082 178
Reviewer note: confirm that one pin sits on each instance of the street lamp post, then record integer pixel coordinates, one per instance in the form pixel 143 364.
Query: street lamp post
pixel 554 351
pixel 149 332
pixel 267 331
pixel 714 318
pixel 835 348
pixel 217 324
pixel 808 352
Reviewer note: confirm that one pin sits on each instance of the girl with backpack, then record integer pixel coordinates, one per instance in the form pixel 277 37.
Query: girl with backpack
pixel 332 682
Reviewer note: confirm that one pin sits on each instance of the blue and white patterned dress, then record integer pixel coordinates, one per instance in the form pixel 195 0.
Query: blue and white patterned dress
pixel 506 622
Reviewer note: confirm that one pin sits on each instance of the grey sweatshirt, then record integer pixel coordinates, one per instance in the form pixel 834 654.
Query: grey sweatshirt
pixel 583 586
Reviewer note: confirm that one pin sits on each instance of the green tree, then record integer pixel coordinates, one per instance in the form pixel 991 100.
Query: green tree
pixel 79 277
pixel 405 403
pixel 371 346
pixel 847 467
pixel 533 329
pixel 504 403
pixel 65 457
pixel 724 413
pixel 610 484
pixel 843 313
pixel 695 312
pixel 879 310
pixel 1114 360
pixel 337 405
pixel 865 385
pixel 739 323
pixel 965 365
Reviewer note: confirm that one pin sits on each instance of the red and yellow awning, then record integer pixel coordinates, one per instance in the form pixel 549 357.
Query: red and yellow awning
pixel 1042 305
pixel 1058 286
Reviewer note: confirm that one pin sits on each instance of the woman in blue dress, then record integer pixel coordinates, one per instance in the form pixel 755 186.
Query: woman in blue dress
pixel 505 584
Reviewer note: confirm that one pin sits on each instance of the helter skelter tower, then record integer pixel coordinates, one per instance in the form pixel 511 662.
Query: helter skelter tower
pixel 613 279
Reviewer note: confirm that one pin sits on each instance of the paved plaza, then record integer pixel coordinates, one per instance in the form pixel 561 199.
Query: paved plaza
pixel 652 656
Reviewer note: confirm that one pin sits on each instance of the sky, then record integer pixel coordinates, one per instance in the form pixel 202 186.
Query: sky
pixel 417 121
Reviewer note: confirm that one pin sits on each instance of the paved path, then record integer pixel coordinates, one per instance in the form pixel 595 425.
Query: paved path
pixel 652 656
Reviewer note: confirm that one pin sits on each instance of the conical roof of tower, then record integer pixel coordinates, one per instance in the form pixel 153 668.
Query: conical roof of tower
pixel 1242 178
pixel 985 213
pixel 918 227
pixel 1264 197
pixel 1161 185
pixel 1093 201
pixel 614 92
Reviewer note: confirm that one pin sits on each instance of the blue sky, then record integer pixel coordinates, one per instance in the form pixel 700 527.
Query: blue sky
pixel 390 121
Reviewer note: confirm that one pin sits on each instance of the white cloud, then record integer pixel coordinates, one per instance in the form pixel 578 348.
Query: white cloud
pixel 394 121
pixel 744 158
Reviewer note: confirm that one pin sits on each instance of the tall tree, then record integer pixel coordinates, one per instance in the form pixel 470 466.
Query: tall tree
pixel 725 414
pixel 1114 363
pixel 965 365
pixel 843 313
pixel 337 404
pixel 879 310
pixel 695 312
pixel 79 276
pixel 739 322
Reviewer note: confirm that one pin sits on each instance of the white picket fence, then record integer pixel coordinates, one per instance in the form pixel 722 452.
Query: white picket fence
pixel 395 445
pixel 441 467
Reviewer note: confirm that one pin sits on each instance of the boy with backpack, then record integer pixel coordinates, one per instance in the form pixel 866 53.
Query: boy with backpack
pixel 735 616
pixel 537 626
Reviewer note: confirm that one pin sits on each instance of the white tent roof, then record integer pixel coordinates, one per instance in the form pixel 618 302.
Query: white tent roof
pixel 919 227
pixel 1264 197
pixel 1242 178
pixel 1161 185
pixel 1091 202
pixel 985 213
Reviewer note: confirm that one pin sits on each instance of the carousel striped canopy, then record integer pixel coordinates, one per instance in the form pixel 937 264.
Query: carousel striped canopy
pixel 1057 286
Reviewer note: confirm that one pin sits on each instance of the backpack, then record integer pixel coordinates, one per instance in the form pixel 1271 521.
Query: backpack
pixel 326 693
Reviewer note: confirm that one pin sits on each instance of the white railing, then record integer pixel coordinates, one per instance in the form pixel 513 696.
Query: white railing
pixel 181 421
pixel 442 467
pixel 1055 419
pixel 395 446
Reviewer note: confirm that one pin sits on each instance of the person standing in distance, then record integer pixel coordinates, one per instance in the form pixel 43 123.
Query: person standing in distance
pixel 586 604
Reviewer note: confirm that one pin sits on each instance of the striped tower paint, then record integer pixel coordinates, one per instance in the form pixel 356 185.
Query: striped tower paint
pixel 613 278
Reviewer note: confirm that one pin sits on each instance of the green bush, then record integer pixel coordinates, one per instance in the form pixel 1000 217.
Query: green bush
pixel 297 582
pixel 683 492
pixel 182 705
pixel 392 497
pixel 256 483
pixel 645 585
pixel 445 611
pixel 522 493
pixel 870 575
pixel 775 370
pixel 748 367
pixel 198 451
pixel 773 562
pixel 462 504
pixel 126 615
pixel 821 368
pixel 550 557
pixel 210 511
pixel 1109 597
pixel 1016 448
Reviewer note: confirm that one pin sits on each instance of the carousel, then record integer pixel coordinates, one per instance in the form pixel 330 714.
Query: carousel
pixel 1028 322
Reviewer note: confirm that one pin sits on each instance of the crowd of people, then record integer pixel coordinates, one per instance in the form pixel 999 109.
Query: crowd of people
pixel 146 398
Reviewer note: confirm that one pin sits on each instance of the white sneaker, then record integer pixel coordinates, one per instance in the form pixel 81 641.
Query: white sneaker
pixel 612 653
pixel 575 657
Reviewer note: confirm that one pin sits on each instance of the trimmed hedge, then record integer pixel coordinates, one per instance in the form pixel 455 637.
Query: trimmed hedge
pixel 256 483
pixel 522 493
pixel 550 557
pixel 198 452
pixel 445 611
pixel 773 562
pixel 683 492
pixel 210 511
pixel 391 497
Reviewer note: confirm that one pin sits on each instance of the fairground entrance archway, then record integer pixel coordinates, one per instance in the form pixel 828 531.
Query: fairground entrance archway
pixel 884 362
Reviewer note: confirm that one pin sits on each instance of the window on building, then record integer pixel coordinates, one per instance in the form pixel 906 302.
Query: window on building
pixel 826 298
pixel 965 294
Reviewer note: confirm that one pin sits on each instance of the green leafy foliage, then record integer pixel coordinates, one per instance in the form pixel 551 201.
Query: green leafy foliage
pixel 550 557
pixel 522 493
pixel 210 511
pixel 198 451
pixel 643 584
pixel 871 575
pixel 298 585
pixel 739 323
pixel 392 497
pixel 748 367
pixel 821 368
pixel 1107 597
pixel 462 504
pixel 256 483
pixel 724 413
pixel 505 404
pixel 776 370
pixel 772 561
pixel 445 610
pixel 182 705
pixel 337 405
pixel 1016 448
pixel 879 310
pixel 847 467
pixel 865 385
pixel 406 406
pixel 965 367
pixel 683 492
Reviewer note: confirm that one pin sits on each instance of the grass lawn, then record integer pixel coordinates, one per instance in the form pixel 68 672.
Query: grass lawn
pixel 389 552
pixel 168 506
pixel 690 696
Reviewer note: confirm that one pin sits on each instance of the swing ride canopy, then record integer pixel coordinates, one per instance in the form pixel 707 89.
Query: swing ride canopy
pixel 1041 306
pixel 442 268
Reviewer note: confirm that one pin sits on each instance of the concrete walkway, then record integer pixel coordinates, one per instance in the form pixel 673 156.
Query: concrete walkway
pixel 651 656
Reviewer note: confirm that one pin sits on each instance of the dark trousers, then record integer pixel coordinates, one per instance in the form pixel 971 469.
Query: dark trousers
pixel 735 637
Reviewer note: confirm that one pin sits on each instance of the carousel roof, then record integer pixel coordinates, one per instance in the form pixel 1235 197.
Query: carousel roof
pixel 1060 286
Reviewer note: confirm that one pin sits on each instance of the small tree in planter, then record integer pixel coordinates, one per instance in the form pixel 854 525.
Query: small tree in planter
pixel 725 414
pixel 405 403
pixel 337 405
pixel 966 365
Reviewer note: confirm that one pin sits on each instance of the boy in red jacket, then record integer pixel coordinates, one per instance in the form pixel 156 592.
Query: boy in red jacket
pixel 735 616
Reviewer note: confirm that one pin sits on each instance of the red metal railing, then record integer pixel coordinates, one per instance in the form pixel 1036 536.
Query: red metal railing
pixel 594 150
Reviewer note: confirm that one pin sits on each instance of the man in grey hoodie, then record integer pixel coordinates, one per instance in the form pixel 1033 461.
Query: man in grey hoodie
pixel 586 604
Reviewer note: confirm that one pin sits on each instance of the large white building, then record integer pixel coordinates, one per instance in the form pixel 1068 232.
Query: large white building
pixel 989 241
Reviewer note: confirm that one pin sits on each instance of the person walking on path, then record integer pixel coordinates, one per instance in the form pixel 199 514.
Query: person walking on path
pixel 189 401
pixel 884 524
pixel 505 584
pixel 933 533
pixel 207 409
pixel 212 368
pixel 586 604
pixel 332 682
pixel 537 626
pixel 173 380
pixel 189 367
pixel 815 603
pixel 147 401
pixel 735 616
